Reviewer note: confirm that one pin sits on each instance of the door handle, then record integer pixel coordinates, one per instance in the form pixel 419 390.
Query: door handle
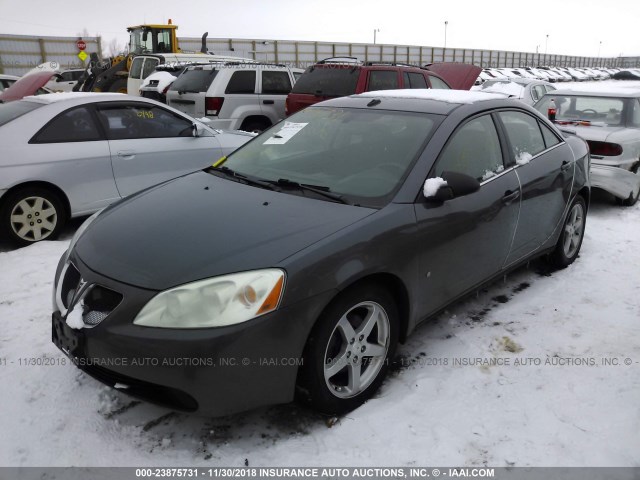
pixel 510 196
pixel 565 165
pixel 127 154
pixel 268 102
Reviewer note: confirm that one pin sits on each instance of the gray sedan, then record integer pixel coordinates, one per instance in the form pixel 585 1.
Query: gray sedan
pixel 71 154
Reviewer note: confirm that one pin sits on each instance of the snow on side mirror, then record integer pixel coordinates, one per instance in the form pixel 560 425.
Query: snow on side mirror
pixel 449 185
pixel 437 190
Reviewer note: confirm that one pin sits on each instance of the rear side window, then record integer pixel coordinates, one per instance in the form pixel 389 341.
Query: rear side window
pixel 550 138
pixel 437 83
pixel 414 80
pixel 12 110
pixel 242 82
pixel 128 121
pixel 382 80
pixel 524 135
pixel 74 125
pixel 194 80
pixel 276 83
pixel 330 81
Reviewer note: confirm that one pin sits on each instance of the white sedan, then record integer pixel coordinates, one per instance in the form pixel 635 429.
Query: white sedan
pixel 71 154
pixel 610 123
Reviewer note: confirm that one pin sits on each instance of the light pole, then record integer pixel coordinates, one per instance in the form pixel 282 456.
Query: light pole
pixel 375 31
pixel 599 47
pixel 446 22
pixel 537 48
pixel 546 44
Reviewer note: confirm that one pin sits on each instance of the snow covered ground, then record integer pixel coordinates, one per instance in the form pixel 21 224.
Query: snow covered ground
pixel 571 409
pixel 565 393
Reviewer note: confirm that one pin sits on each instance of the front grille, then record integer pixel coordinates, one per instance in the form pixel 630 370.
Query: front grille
pixel 98 303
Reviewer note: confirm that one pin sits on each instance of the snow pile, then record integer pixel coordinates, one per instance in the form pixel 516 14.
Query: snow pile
pixel 523 158
pixel 165 79
pixel 74 319
pixel 432 185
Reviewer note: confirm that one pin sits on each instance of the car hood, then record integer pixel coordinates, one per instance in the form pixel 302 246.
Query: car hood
pixel 25 86
pixel 200 226
pixel 459 76
pixel 592 132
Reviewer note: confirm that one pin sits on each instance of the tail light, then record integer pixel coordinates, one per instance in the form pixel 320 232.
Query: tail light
pixel 286 107
pixel 212 105
pixel 604 149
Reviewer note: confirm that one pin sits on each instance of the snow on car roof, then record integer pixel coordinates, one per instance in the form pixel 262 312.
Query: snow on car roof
pixel 65 96
pixel 447 96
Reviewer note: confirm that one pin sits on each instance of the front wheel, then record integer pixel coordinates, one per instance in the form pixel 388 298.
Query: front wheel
pixel 348 352
pixel 31 215
pixel 570 241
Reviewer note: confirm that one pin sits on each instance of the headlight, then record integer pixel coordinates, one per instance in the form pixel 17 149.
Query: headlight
pixel 215 302
pixel 81 230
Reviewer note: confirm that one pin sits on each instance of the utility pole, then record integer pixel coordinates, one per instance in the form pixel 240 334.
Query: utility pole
pixel 446 22
pixel 375 31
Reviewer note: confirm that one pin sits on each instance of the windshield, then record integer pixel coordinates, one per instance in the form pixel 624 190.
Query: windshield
pixel 330 81
pixel 363 155
pixel 146 40
pixel 605 111
pixel 12 110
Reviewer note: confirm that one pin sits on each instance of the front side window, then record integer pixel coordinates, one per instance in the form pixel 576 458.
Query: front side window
pixel 382 80
pixel 129 121
pixel 74 125
pixel 276 83
pixel 474 149
pixel 524 135
pixel 361 154
pixel 242 82
pixel 136 67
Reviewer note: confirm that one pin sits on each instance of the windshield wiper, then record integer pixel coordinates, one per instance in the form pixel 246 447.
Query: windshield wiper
pixel 319 189
pixel 248 179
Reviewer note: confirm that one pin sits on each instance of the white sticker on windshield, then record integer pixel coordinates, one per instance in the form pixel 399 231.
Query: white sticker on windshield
pixel 285 134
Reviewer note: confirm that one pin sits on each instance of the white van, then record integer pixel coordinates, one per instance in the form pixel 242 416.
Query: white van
pixel 144 65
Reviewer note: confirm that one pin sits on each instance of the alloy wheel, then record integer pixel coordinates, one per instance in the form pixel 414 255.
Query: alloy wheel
pixel 33 219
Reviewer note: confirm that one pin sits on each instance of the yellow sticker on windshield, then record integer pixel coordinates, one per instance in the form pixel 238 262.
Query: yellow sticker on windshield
pixel 145 114
pixel 220 161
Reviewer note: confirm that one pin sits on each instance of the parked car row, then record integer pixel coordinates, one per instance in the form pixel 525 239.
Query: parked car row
pixel 546 73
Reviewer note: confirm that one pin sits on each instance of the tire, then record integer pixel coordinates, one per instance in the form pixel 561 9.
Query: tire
pixel 32 214
pixel 337 375
pixel 570 241
pixel 255 126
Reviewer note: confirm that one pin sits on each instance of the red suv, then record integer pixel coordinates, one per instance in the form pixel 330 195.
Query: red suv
pixel 342 76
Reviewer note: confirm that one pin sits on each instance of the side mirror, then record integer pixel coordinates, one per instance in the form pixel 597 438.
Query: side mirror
pixel 198 130
pixel 450 185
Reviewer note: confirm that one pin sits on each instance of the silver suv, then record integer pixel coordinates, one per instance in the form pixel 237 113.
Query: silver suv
pixel 235 96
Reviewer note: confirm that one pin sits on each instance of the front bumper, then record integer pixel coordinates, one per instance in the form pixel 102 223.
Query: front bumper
pixel 615 180
pixel 214 371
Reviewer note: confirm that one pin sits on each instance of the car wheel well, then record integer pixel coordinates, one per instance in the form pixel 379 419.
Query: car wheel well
pixel 398 290
pixel 39 184
pixel 586 194
pixel 255 120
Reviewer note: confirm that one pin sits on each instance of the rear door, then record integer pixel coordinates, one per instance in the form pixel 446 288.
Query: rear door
pixel 544 165
pixel 150 144
pixel 275 85
pixel 465 241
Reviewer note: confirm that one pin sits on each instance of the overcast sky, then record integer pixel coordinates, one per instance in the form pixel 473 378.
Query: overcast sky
pixel 574 27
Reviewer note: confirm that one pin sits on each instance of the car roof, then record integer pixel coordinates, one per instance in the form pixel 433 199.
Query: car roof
pixel 71 96
pixel 610 92
pixel 437 101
